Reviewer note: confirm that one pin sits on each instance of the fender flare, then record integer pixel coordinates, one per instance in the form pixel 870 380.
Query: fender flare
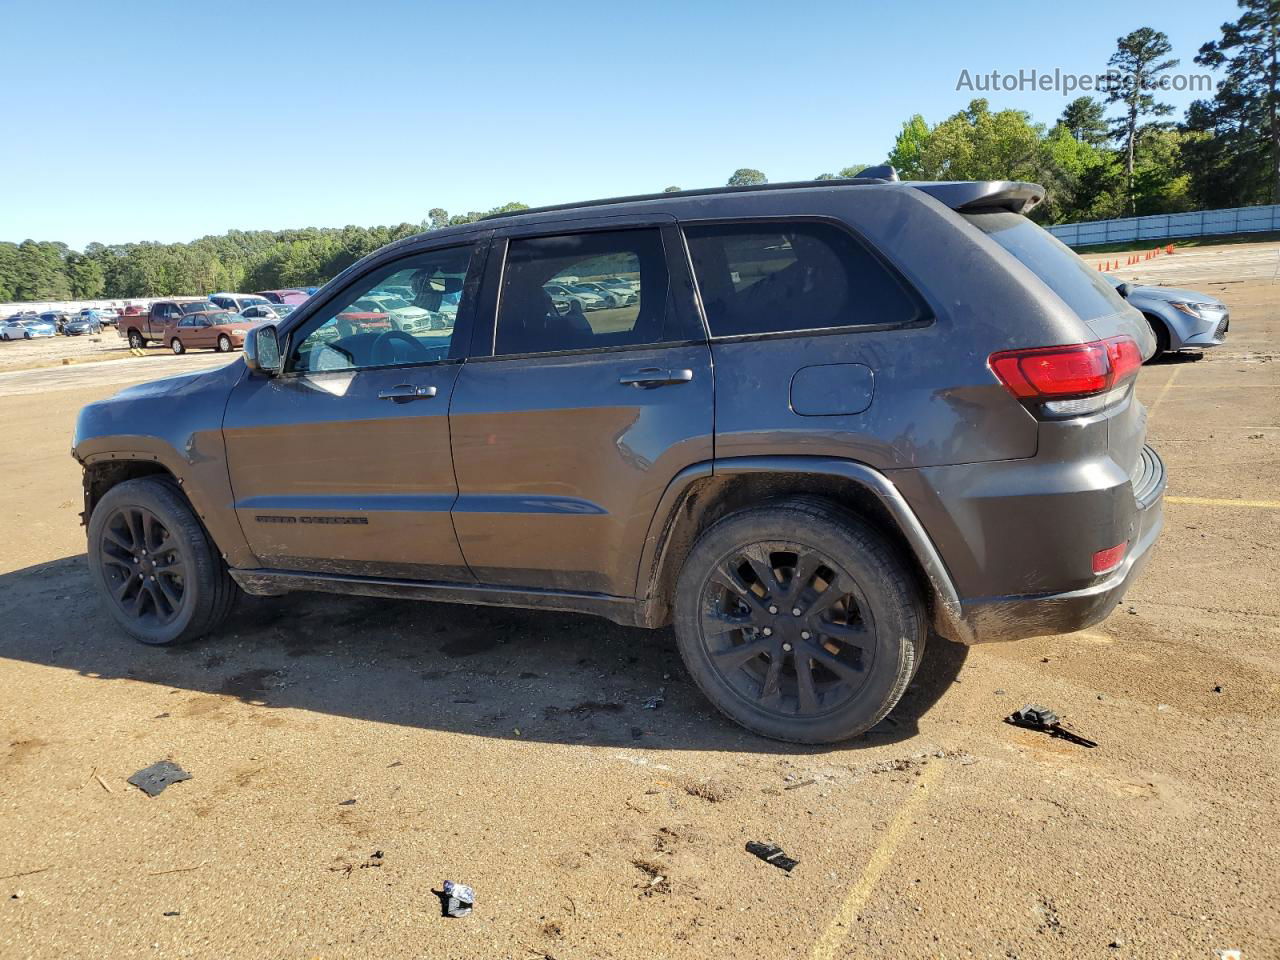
pixel 201 478
pixel 948 612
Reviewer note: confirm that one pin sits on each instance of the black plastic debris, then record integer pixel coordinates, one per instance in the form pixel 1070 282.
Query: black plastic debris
pixel 771 854
pixel 657 700
pixel 1044 720
pixel 458 899
pixel 156 777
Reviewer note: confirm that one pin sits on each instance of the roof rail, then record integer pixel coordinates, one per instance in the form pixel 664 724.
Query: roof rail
pixel 701 192
pixel 1013 195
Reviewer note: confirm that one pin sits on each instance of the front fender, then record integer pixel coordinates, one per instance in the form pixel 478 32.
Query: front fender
pixel 177 425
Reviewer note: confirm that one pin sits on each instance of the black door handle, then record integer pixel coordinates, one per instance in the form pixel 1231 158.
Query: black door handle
pixel 653 377
pixel 404 392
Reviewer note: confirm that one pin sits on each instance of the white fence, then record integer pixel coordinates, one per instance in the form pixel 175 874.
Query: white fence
pixel 71 306
pixel 1162 226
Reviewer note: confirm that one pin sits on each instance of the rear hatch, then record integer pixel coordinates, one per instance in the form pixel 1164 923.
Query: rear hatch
pixel 1092 298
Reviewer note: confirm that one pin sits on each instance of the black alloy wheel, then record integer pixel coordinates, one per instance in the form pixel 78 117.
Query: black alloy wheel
pixel 143 566
pixel 788 628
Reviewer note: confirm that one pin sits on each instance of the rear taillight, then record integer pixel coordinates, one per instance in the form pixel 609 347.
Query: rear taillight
pixel 1073 379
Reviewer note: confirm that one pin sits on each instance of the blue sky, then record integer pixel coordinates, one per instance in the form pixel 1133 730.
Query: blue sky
pixel 135 120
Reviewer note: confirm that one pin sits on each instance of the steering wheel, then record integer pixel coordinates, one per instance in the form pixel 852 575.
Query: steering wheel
pixel 383 352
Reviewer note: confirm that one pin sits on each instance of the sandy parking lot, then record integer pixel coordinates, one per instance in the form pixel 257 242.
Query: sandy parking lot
pixel 349 755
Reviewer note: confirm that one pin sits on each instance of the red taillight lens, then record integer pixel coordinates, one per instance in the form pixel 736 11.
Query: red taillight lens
pixel 1069 371
pixel 1125 357
pixel 1075 370
pixel 1104 561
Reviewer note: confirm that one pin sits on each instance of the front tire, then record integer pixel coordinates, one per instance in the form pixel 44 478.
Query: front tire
pixel 153 563
pixel 176 346
pixel 224 344
pixel 799 621
pixel 1162 337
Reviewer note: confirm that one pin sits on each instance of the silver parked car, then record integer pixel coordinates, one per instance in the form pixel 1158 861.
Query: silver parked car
pixel 1179 318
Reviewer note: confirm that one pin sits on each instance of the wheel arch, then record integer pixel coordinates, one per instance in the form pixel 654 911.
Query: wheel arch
pixel 101 475
pixel 1161 324
pixel 107 469
pixel 703 494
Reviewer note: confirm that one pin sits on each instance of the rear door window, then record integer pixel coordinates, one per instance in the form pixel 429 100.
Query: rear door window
pixel 1085 291
pixel 777 276
pixel 551 300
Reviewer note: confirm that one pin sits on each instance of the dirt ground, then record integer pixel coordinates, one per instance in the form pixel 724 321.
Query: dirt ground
pixel 347 755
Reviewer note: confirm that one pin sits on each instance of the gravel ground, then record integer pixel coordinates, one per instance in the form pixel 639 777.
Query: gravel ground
pixel 349 755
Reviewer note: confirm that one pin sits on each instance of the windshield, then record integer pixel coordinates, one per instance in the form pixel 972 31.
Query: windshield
pixel 1085 291
pixel 198 306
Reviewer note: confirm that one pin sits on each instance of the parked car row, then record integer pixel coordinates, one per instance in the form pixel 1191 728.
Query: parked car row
pixel 217 322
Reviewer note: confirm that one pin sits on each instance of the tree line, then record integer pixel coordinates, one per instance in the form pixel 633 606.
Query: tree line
pixel 1118 156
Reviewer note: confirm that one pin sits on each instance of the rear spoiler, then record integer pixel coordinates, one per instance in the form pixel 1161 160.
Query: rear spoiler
pixel 969 196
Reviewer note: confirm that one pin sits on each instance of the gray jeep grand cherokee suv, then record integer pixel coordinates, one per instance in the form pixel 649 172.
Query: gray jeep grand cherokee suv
pixel 833 418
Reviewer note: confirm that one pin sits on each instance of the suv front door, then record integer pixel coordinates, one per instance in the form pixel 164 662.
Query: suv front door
pixel 341 465
pixel 568 424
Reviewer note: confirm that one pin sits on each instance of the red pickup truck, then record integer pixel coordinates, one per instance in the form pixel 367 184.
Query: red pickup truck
pixel 141 329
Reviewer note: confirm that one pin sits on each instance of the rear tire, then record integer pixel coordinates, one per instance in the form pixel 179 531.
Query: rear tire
pixel 176 346
pixel 135 340
pixel 158 572
pixel 826 673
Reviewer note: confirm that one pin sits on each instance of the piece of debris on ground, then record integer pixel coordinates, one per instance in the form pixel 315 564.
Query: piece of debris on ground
pixel 458 899
pixel 153 779
pixel 772 854
pixel 1044 720
pixel 657 700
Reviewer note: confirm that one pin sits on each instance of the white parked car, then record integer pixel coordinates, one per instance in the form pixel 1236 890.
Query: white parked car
pixel 25 328
pixel 237 302
pixel 407 316
pixel 267 313
pixel 622 296
pixel 584 298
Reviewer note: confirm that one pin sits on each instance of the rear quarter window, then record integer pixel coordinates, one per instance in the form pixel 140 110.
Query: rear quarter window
pixel 1085 291
pixel 781 276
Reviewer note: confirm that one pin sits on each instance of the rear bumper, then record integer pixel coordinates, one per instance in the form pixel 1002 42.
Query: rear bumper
pixel 988 619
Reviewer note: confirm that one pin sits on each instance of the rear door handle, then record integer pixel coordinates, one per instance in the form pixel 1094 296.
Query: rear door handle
pixel 654 377
pixel 404 392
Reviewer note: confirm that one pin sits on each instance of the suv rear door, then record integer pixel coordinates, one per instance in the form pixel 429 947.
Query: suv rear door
pixel 568 425
pixel 341 465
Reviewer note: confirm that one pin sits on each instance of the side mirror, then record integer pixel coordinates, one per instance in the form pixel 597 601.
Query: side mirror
pixel 1124 290
pixel 262 350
